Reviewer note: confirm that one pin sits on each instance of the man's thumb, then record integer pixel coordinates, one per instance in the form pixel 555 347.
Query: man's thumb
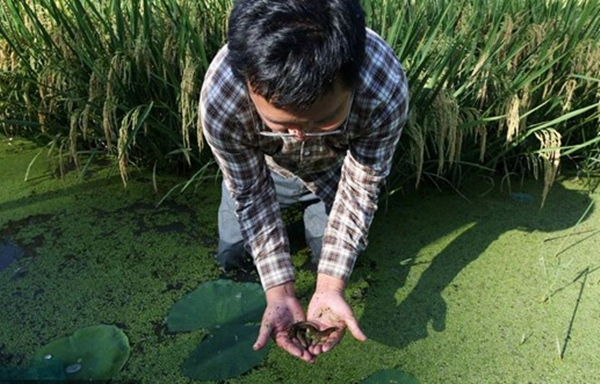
pixel 263 337
pixel 355 330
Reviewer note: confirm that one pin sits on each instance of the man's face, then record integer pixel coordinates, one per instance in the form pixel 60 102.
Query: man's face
pixel 326 116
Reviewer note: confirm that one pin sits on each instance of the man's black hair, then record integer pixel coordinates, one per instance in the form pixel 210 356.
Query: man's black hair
pixel 291 51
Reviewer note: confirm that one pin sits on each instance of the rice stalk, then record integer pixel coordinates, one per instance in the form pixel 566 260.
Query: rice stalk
pixel 482 134
pixel 507 30
pixel 568 90
pixel 549 86
pixel 525 105
pixel 109 120
pixel 448 110
pixel 199 137
pixel 122 153
pixel 96 91
pixel 61 158
pixel 5 56
pixel 109 115
pixel 598 108
pixel 169 53
pixel 482 92
pixel 106 57
pixel 141 54
pixel 188 93
pixel 417 147
pixel 73 134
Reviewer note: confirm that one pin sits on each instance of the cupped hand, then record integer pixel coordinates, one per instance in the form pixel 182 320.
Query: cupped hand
pixel 282 312
pixel 328 308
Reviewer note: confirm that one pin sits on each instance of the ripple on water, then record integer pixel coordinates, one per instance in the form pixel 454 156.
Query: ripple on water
pixel 9 252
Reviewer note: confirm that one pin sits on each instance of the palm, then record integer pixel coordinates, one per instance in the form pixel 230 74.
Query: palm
pixel 330 309
pixel 279 316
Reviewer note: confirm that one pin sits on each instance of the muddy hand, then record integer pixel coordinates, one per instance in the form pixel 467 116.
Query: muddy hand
pixel 282 312
pixel 328 309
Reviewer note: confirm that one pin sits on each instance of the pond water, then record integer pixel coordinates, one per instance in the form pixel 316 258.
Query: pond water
pixel 9 252
pixel 449 288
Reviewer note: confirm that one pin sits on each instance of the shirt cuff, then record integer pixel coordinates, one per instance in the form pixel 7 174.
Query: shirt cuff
pixel 275 270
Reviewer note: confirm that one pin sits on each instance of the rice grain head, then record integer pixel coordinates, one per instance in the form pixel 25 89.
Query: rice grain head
pixel 524 104
pixel 445 122
pixel 478 66
pixel 122 143
pixel 109 119
pixel 598 108
pixel 188 90
pixel 550 144
pixel 483 89
pixel 512 119
pixel 568 90
pixel 482 134
pixel 109 110
pixel 508 26
pixel 5 54
pixel 169 53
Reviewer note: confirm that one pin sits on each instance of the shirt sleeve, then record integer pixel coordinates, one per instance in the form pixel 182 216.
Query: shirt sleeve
pixel 367 164
pixel 249 182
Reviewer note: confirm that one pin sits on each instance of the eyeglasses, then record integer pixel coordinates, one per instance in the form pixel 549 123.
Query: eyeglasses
pixel 267 133
pixel 263 131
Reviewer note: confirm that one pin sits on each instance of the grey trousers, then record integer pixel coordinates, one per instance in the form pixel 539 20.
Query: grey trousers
pixel 231 252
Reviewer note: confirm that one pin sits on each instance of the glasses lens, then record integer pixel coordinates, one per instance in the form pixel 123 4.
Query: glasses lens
pixel 264 132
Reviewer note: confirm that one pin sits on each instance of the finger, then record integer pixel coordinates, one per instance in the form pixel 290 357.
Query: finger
pixel 355 330
pixel 315 350
pixel 328 343
pixel 333 339
pixel 294 348
pixel 263 336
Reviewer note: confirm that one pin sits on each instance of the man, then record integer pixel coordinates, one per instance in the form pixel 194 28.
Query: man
pixel 303 104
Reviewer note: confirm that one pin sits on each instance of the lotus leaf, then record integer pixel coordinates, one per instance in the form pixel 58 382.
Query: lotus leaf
pixel 93 353
pixel 224 354
pixel 215 304
pixel 388 376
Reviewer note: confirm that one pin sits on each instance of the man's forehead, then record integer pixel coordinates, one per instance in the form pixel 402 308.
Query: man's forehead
pixel 325 107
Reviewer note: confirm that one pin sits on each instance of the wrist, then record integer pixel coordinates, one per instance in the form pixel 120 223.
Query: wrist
pixel 279 291
pixel 328 283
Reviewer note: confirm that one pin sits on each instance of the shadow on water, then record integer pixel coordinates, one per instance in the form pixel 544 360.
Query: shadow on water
pixel 46 197
pixel 409 224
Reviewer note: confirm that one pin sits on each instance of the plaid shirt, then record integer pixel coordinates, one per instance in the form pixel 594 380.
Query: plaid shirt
pixel 346 171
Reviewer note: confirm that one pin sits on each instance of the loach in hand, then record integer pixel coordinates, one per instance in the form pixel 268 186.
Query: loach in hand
pixel 308 333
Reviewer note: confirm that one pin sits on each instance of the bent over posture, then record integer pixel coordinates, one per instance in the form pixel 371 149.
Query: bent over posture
pixel 304 104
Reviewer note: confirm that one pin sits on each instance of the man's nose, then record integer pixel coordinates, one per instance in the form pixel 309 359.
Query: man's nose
pixel 298 133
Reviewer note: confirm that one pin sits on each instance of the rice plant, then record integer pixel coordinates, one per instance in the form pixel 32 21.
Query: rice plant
pixel 496 85
pixel 120 78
